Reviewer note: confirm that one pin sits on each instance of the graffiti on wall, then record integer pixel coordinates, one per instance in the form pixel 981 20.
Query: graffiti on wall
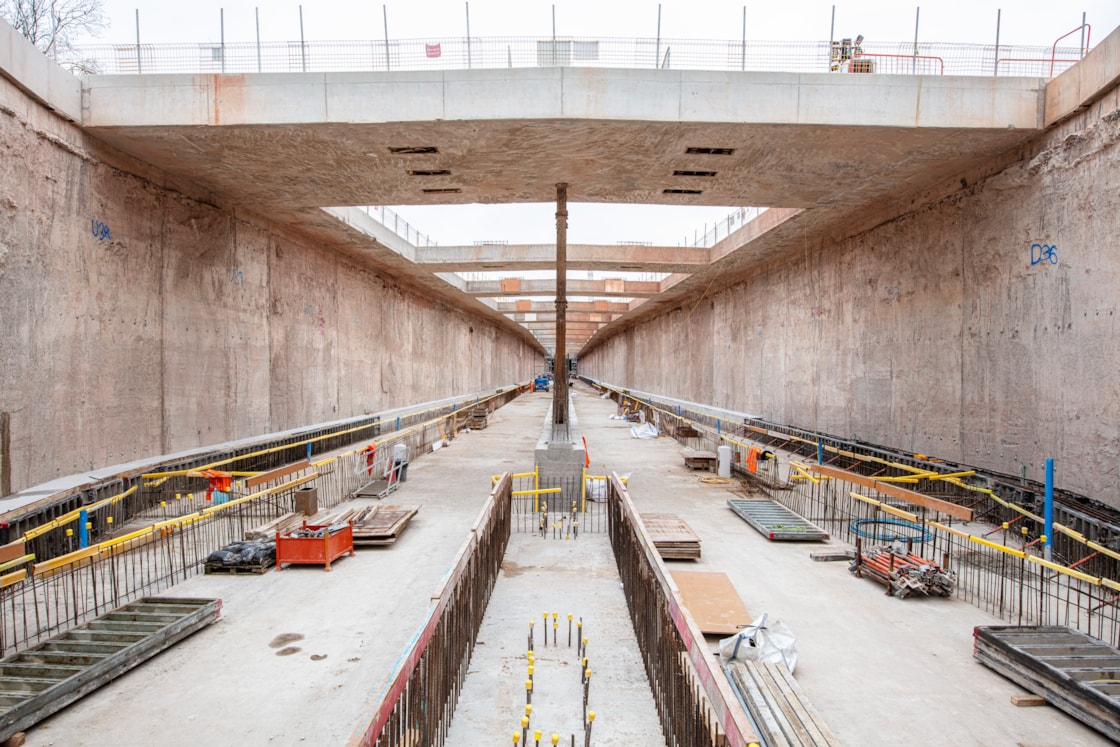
pixel 1043 254
pixel 100 230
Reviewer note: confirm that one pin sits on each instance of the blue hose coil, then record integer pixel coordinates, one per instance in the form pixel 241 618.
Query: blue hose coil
pixel 923 535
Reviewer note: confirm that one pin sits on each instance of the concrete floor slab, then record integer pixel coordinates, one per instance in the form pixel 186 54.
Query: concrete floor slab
pixel 880 671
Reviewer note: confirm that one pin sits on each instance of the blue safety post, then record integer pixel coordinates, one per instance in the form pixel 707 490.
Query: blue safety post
pixel 678 411
pixel 83 530
pixel 820 453
pixel 398 422
pixel 1048 516
pixel 718 422
pixel 309 451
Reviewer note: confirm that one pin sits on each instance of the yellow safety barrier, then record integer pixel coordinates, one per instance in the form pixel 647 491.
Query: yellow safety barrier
pixel 18 561
pixel 12 578
pixel 67 518
pixel 886 508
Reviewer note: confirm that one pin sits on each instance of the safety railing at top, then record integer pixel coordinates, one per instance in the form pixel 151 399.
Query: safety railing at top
pixel 926 58
pixel 399 226
pixel 735 220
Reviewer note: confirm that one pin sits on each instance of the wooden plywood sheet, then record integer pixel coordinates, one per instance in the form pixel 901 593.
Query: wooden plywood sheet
pixel 712 601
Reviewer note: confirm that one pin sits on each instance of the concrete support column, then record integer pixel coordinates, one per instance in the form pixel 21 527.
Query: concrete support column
pixel 560 385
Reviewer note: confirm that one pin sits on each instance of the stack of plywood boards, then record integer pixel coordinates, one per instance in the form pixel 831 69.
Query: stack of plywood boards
pixel 673 539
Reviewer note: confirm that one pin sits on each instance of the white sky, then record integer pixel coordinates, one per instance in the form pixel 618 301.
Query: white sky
pixel 1036 22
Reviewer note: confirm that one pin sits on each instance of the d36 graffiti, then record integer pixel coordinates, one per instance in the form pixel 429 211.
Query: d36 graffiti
pixel 1042 253
pixel 100 230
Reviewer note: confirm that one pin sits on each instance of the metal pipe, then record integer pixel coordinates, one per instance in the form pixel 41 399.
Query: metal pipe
pixel 743 51
pixel 222 32
pixel 302 45
pixel 258 14
pixel 1082 50
pixel 1048 515
pixel 554 36
pixel 139 65
pixel 468 35
pixel 831 38
pixel 385 23
pixel 917 16
pixel 657 53
pixel 995 65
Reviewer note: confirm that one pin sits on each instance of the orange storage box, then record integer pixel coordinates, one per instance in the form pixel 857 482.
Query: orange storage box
pixel 314 550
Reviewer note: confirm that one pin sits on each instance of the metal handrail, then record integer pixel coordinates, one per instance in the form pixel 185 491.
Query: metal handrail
pixel 1081 50
pixel 526 52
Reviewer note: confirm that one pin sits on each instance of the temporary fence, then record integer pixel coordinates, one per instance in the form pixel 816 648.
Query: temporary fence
pixel 841 56
pixel 159 531
pixel 999 555
pixel 417 702
pixel 540 506
pixel 694 701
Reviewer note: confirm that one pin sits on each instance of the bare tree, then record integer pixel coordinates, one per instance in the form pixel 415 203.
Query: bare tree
pixel 52 24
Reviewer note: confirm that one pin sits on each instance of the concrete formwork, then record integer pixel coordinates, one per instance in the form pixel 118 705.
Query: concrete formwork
pixel 946 329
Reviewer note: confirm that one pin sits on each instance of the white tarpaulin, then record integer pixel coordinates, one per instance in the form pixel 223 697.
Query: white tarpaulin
pixel 770 643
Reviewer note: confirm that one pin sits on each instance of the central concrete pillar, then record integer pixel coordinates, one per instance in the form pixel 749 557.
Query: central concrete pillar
pixel 560 385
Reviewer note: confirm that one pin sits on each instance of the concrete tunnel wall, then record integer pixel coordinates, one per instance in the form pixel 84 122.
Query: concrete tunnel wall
pixel 944 330
pixel 140 317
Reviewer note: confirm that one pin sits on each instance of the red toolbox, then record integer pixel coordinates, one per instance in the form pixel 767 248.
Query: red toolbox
pixel 314 550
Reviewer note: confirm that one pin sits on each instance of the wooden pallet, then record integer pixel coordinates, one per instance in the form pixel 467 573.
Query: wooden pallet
pixel 782 713
pixel 237 570
pixel 705 460
pixel 378 526
pixel 673 538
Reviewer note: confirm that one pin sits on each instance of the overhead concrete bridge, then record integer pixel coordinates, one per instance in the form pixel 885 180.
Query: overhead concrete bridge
pixel 191 266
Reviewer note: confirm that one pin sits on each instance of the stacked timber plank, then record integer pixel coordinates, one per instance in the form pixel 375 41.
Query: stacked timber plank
pixel 282 525
pixel 781 712
pixel 1073 671
pixel 673 538
pixel 377 526
pixel 477 419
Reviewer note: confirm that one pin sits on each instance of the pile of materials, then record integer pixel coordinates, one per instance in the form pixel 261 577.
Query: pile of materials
pixel 672 537
pixel 903 573
pixel 255 556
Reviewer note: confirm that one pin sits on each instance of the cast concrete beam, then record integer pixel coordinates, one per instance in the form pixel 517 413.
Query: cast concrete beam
pixel 510 135
pixel 524 287
pixel 621 258
pixel 525 306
